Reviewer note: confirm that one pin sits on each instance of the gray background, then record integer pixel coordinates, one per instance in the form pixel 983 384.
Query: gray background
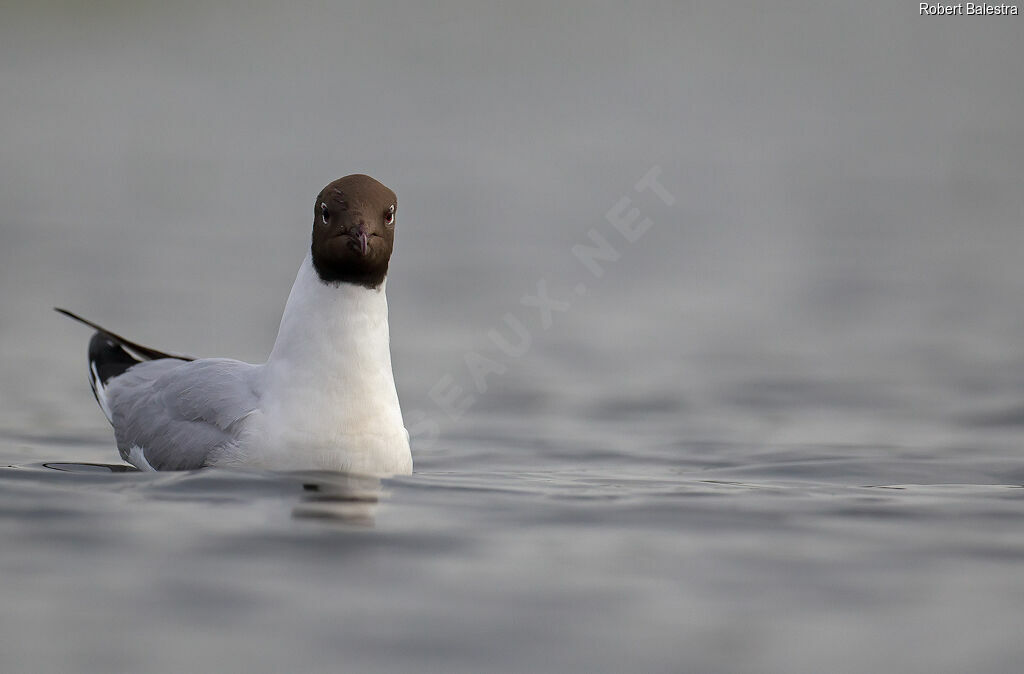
pixel 838 281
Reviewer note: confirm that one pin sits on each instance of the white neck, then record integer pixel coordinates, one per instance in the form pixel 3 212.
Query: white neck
pixel 328 383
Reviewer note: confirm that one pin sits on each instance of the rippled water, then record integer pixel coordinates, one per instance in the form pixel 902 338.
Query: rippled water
pixel 703 556
pixel 782 431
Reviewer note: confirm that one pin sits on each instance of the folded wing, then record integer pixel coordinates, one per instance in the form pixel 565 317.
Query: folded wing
pixel 170 414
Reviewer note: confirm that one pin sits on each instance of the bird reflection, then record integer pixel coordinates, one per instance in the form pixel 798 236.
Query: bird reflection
pixel 344 497
pixel 347 498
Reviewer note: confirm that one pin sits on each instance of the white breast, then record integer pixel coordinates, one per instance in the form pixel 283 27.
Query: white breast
pixel 328 397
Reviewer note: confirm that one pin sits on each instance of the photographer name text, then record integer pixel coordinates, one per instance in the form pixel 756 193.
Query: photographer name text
pixel 967 9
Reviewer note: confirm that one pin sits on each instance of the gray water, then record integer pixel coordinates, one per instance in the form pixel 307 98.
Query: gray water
pixel 782 432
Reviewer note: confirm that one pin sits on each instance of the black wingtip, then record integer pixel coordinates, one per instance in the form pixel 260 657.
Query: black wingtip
pixel 78 318
pixel 144 352
pixel 107 359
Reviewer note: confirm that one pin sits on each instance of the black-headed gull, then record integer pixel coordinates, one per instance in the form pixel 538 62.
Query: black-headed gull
pixel 325 398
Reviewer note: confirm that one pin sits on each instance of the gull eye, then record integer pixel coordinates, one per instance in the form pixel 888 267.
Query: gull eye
pixel 389 216
pixel 324 213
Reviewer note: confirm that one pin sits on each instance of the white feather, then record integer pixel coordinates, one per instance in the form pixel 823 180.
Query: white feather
pixel 99 391
pixel 137 457
pixel 327 392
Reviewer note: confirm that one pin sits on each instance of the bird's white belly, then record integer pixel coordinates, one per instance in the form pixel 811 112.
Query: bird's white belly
pixel 306 443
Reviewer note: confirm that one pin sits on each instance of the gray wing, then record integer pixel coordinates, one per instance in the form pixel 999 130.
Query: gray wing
pixel 179 413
